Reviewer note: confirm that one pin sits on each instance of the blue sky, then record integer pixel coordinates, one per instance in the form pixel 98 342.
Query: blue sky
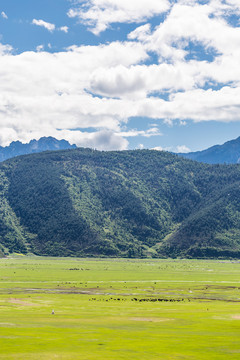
pixel 120 74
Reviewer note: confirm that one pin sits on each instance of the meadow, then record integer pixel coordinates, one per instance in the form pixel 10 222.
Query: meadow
pixel 119 309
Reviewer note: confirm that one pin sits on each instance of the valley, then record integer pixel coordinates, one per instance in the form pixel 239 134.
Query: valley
pixel 119 308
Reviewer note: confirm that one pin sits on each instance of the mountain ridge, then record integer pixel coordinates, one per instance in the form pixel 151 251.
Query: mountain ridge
pixel 227 153
pixel 17 148
pixel 138 203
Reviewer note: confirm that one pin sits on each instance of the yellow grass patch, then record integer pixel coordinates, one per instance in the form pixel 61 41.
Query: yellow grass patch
pixel 150 319
pixel 21 302
pixel 236 317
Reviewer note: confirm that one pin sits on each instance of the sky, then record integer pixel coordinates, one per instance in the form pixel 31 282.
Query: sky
pixel 120 74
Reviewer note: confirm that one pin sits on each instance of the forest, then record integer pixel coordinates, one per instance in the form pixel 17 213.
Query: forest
pixel 135 204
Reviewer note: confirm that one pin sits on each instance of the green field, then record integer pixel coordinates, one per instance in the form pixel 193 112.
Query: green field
pixel 119 309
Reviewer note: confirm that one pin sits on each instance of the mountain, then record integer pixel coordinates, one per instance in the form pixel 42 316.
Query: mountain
pixel 139 203
pixel 17 148
pixel 228 153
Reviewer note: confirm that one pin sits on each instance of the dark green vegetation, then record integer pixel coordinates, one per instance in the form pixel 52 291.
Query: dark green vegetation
pixel 110 309
pixel 129 204
pixel 228 153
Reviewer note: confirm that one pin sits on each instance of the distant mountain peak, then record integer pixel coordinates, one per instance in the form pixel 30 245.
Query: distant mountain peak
pixel 228 153
pixel 17 148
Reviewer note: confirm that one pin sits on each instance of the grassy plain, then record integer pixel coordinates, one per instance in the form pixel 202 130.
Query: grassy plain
pixel 119 309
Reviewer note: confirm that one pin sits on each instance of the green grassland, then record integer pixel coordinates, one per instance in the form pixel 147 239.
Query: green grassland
pixel 119 309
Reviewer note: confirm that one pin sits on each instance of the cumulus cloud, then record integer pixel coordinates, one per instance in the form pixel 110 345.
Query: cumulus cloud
pixel 145 133
pixel 5 49
pixel 188 24
pixel 100 14
pixel 140 33
pixel 101 140
pixel 50 27
pixel 4 15
pixel 64 29
pixel 40 48
pixel 105 140
pixel 43 93
pixel 182 149
pixel 100 87
pixel 177 149
pixel 158 148
pixel 140 80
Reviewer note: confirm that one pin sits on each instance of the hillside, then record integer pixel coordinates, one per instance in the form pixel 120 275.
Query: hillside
pixel 228 153
pixel 17 148
pixel 132 203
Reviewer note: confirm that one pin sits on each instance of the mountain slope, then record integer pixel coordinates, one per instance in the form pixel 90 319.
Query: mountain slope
pixel 228 153
pixel 131 203
pixel 17 148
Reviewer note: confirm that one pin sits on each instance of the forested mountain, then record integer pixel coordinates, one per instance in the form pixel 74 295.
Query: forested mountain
pixel 228 153
pixel 131 203
pixel 17 148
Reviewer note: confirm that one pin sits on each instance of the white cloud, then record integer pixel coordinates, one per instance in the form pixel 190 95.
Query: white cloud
pixel 101 87
pixel 100 14
pixel 5 49
pixel 182 149
pixel 138 81
pixel 101 140
pixel 50 27
pixel 177 149
pixel 158 148
pixel 187 22
pixel 64 29
pixel 231 5
pixel 43 93
pixel 140 33
pixel 4 15
pixel 145 133
pixel 40 48
pixel 190 23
